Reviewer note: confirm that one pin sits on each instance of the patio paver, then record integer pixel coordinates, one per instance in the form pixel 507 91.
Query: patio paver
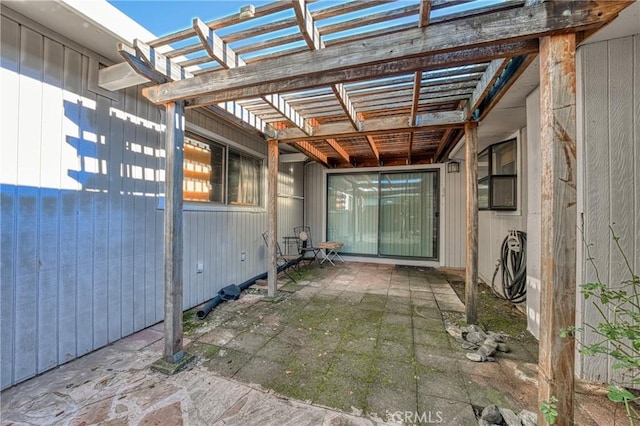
pixel 358 344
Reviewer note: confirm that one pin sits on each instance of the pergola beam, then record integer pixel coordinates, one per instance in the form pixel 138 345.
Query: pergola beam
pixel 336 65
pixel 338 148
pixel 374 148
pixel 312 152
pixel 160 63
pixel 346 104
pixel 486 82
pixel 425 12
pixel 121 76
pixel 207 91
pixel 139 66
pixel 377 126
pixel 443 143
pixel 215 47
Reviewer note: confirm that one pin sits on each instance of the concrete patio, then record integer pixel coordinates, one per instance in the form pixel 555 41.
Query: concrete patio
pixel 347 345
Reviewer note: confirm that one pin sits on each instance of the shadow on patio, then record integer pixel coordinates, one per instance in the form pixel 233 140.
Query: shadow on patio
pixel 368 340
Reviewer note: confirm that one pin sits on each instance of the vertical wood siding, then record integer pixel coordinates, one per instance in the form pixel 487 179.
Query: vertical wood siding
pixel 610 123
pixel 314 187
pixel 290 199
pixel 81 232
pixel 454 230
pixel 534 212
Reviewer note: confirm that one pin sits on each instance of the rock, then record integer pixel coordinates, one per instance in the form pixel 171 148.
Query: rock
pixel 491 414
pixel 528 418
pixel 488 347
pixel 510 418
pixel 498 337
pixel 503 348
pixel 476 357
pixel 476 337
pixel 454 331
pixel 472 328
pixel 467 345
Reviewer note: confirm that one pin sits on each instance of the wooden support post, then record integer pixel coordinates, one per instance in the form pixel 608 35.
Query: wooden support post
pixel 272 217
pixel 174 145
pixel 471 270
pixel 558 239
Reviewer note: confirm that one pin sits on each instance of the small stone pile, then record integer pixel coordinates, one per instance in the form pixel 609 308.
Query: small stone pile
pixel 492 415
pixel 485 343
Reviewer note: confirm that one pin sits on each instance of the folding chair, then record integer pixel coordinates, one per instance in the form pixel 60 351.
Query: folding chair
pixel 283 260
pixel 305 244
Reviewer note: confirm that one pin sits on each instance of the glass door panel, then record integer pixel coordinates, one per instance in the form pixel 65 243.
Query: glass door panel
pixel 352 212
pixel 408 214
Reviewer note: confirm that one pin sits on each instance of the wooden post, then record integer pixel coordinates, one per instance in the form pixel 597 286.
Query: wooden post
pixel 272 217
pixel 174 144
pixel 471 263
pixel 558 239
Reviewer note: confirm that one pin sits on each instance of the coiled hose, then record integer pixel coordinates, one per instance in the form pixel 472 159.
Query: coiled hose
pixel 513 260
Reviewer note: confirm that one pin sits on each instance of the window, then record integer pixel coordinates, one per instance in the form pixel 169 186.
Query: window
pixel 218 174
pixel 497 176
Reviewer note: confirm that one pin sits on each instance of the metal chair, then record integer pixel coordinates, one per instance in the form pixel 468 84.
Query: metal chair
pixel 305 244
pixel 284 261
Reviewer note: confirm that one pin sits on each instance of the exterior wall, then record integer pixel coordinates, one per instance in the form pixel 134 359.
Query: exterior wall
pixel 493 226
pixel 608 125
pixel 290 199
pixel 454 228
pixel 216 236
pixel 81 235
pixel 534 212
pixel 315 189
pixel 609 181
pixel 80 209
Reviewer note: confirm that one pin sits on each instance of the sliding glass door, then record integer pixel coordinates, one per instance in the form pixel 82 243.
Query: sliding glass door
pixel 408 215
pixel 384 214
pixel 352 212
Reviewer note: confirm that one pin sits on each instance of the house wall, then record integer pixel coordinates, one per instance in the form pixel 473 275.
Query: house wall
pixel 315 188
pixel 608 182
pixel 534 211
pixel 290 200
pixel 609 176
pixel 81 210
pixel 494 226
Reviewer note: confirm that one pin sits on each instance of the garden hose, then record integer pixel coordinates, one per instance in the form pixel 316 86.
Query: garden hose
pixel 513 260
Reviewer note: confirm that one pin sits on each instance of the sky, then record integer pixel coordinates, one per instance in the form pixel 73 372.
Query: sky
pixel 162 17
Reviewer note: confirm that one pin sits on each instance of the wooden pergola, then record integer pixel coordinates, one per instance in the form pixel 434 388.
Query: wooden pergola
pixel 376 82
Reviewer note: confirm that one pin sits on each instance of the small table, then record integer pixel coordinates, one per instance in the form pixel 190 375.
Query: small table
pixel 331 249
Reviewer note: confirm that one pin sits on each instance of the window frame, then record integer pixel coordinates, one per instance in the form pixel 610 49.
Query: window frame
pixel 492 178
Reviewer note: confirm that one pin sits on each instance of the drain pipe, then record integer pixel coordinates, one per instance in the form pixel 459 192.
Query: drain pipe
pixel 232 292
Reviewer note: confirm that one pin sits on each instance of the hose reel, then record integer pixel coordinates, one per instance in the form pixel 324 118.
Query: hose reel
pixel 513 262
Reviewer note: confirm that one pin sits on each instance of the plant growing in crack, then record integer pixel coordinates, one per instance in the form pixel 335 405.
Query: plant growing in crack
pixel 550 410
pixel 618 329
